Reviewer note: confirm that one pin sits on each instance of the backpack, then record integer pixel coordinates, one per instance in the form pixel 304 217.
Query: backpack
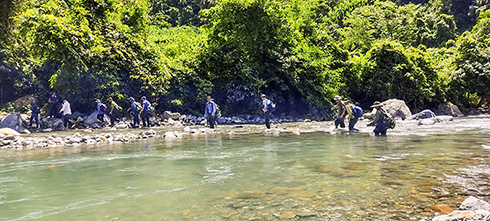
pixel 218 110
pixel 388 120
pixel 356 111
pixel 271 107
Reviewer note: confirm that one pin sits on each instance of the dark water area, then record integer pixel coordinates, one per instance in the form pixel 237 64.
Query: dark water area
pixel 324 175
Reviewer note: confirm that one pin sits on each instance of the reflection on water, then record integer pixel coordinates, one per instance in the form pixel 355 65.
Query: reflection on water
pixel 314 176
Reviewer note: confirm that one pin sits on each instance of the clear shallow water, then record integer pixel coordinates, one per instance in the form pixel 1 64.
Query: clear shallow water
pixel 314 176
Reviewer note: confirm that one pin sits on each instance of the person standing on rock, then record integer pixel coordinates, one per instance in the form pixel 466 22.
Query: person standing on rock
pixel 339 121
pixel 53 104
pixel 35 114
pixel 382 120
pixel 266 108
pixel 113 112
pixel 66 112
pixel 134 113
pixel 210 112
pixel 145 114
pixel 101 109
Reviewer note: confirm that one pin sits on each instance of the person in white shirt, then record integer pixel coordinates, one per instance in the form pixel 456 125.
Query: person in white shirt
pixel 66 112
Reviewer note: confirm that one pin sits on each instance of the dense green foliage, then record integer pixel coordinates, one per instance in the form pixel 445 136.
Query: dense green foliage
pixel 300 53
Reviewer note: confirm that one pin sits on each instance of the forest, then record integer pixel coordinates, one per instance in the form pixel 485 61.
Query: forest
pixel 301 53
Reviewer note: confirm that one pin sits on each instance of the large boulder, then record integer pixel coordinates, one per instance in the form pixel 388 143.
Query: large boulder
pixel 449 109
pixel 473 203
pixel 24 101
pixel 397 108
pixel 92 119
pixel 425 114
pixel 170 115
pixel 9 131
pixel 13 121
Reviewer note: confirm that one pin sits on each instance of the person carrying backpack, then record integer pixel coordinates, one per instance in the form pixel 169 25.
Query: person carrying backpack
pixel 210 112
pixel 342 108
pixel 355 112
pixel 101 110
pixel 134 112
pixel 145 112
pixel 382 120
pixel 114 109
pixel 268 108
pixel 35 114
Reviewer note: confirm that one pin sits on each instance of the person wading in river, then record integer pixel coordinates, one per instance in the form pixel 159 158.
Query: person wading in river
pixel 382 120
pixel 210 112
pixel 341 106
pixel 267 108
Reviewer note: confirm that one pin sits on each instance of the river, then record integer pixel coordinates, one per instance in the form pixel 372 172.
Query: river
pixel 323 175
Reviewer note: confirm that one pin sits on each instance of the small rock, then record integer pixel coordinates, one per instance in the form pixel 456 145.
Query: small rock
pixel 253 194
pixel 306 213
pixel 441 209
pixel 472 203
pixel 288 215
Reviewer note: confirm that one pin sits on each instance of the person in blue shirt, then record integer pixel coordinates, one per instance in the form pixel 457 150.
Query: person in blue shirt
pixel 100 111
pixel 35 114
pixel 210 112
pixel 145 115
pixel 134 112
pixel 53 105
pixel 267 114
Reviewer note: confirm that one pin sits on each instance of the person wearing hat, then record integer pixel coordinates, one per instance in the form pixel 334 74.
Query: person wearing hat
pixel 113 110
pixel 381 120
pixel 101 108
pixel 210 112
pixel 267 113
pixel 145 114
pixel 341 106
pixel 134 112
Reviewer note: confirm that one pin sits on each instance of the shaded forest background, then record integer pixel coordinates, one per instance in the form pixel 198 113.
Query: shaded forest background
pixel 299 52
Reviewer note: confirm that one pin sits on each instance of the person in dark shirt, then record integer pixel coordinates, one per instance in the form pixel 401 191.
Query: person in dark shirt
pixel 35 114
pixel 134 113
pixel 145 115
pixel 210 112
pixel 53 105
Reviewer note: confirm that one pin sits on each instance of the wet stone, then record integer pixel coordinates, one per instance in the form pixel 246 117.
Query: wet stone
pixel 441 209
pixel 253 194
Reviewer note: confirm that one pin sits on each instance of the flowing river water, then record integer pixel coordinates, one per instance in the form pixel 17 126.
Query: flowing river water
pixel 321 175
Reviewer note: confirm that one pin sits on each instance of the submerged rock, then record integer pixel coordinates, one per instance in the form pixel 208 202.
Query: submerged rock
pixel 253 194
pixel 422 115
pixel 441 209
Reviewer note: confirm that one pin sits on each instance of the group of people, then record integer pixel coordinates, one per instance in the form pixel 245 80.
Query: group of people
pixel 346 110
pixel 112 110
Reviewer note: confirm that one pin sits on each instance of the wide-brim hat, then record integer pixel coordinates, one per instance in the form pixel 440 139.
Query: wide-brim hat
pixel 131 98
pixel 377 104
pixel 336 98
pixel 97 100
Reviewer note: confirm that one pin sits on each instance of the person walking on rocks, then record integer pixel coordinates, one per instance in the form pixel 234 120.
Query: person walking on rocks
pixel 134 113
pixel 382 121
pixel 210 112
pixel 145 112
pixel 35 114
pixel 53 105
pixel 267 108
pixel 66 112
pixel 113 110
pixel 341 106
pixel 101 110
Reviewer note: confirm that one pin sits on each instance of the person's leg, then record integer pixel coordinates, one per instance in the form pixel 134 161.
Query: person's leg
pixel 342 124
pixel 32 119
pixel 136 120
pixel 211 122
pixel 380 129
pixel 36 118
pixel 267 119
pixel 352 123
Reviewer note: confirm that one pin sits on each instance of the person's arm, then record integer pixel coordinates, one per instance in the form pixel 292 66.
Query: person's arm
pixel 62 108
pixel 265 105
pixel 98 107
pixel 213 110
pixel 206 110
pixel 334 107
pixel 112 108
pixel 376 118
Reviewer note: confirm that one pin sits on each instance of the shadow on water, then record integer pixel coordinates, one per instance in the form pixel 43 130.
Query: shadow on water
pixel 314 176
